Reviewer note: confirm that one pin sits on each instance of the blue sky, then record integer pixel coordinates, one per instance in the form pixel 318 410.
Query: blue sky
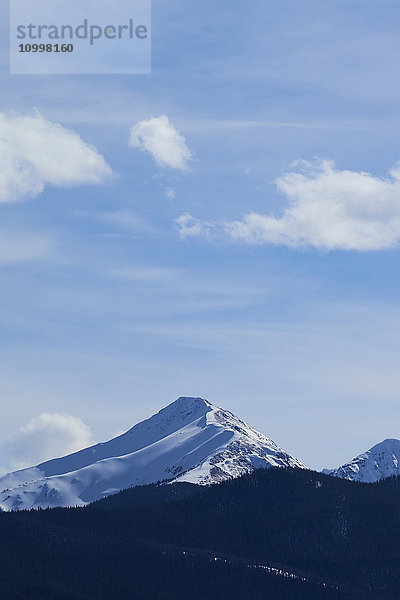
pixel 109 313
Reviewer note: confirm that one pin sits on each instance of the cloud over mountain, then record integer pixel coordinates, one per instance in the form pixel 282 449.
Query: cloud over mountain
pixel 45 436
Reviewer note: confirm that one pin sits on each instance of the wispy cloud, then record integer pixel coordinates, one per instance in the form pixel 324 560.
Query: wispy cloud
pixel 189 226
pixel 184 291
pixel 22 246
pixel 167 275
pixel 125 219
pixel 169 193
pixel 35 153
pixel 159 138
pixel 328 209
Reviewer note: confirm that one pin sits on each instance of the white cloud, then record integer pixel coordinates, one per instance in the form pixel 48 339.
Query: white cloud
pixel 159 138
pixel 327 209
pixel 35 152
pixel 47 436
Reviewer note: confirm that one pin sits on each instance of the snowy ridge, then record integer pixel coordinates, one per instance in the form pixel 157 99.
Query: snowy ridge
pixel 382 460
pixel 189 440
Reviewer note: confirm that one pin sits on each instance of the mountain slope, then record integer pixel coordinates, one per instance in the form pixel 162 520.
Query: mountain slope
pixel 381 461
pixel 287 534
pixel 190 440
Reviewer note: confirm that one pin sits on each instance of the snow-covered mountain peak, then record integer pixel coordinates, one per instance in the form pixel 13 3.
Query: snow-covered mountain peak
pixel 390 445
pixel 189 403
pixel 188 440
pixel 380 461
pixel 183 410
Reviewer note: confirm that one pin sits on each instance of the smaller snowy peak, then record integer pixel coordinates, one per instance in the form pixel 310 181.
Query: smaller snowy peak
pixel 379 462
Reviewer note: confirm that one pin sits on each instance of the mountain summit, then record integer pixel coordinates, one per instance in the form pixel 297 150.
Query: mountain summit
pixel 189 440
pixel 382 460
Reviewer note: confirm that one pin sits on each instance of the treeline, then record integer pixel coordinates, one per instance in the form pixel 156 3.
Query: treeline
pixel 339 540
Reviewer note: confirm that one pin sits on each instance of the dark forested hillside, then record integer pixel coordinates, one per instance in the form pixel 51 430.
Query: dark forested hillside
pixel 276 534
pixel 393 482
